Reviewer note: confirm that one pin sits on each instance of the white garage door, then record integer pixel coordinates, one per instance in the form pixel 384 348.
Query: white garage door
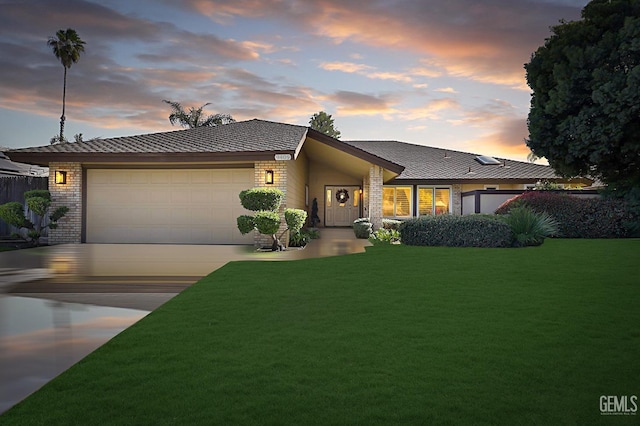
pixel 166 206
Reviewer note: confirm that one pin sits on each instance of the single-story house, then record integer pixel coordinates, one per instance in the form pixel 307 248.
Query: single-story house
pixel 182 186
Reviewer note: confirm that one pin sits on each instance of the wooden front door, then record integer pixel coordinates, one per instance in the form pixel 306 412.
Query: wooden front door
pixel 341 205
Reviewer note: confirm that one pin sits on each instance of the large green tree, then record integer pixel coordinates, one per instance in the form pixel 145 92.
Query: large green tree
pixel 322 122
pixel 195 117
pixel 67 47
pixel 585 106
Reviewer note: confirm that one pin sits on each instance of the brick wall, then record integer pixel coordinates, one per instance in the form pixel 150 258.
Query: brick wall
pixel 69 228
pixel 456 209
pixel 279 181
pixel 375 196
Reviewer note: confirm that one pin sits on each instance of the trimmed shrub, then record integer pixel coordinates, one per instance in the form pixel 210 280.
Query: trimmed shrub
pixel 267 222
pixel 386 236
pixel 456 231
pixel 246 224
pixel 295 219
pixel 530 228
pixel 259 199
pixel 578 217
pixel 362 228
pixel 391 224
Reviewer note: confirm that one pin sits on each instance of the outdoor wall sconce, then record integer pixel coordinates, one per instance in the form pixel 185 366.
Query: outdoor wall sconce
pixel 61 177
pixel 268 177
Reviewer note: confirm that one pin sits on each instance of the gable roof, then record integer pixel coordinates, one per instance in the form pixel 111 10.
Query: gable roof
pixel 437 164
pixel 245 140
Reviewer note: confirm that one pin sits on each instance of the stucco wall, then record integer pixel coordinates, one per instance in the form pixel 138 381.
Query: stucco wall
pixel 297 178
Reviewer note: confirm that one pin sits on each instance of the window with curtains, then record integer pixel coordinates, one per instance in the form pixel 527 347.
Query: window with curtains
pixel 433 200
pixel 396 201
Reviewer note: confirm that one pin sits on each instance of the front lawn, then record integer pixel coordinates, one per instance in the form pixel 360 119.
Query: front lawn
pixel 399 335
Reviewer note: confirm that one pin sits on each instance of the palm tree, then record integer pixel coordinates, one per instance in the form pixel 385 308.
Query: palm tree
pixel 67 46
pixel 195 117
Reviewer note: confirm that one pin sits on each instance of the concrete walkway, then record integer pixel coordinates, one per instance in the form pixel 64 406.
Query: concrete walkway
pixel 139 276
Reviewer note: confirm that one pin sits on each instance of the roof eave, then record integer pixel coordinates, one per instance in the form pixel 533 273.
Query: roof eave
pixel 44 158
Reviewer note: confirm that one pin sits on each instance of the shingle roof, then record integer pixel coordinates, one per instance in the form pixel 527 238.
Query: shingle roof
pixel 428 163
pixel 245 136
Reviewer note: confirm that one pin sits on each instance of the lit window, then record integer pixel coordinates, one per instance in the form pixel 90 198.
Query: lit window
pixel 329 196
pixel 396 201
pixel 432 201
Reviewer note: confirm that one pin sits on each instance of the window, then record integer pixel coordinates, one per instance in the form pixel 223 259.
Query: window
pixel 329 196
pixel 396 201
pixel 432 200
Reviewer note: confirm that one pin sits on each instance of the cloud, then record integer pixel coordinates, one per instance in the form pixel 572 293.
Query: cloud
pixel 347 67
pixel 447 90
pixel 352 103
pixel 432 110
pixel 485 41
pixel 506 139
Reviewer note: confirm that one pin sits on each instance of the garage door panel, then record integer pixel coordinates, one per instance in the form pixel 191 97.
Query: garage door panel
pixel 166 206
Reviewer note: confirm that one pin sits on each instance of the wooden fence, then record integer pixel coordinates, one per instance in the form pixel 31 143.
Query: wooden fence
pixel 12 188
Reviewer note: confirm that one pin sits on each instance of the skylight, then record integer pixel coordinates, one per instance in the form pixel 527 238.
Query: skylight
pixel 485 160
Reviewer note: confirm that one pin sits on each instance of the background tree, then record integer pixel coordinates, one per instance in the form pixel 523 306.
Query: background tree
pixel 67 46
pixel 322 122
pixel 585 107
pixel 195 117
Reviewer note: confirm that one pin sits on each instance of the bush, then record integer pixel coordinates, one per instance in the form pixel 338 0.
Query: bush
pixel 578 217
pixel 267 222
pixel 391 224
pixel 260 199
pixel 362 228
pixel 387 236
pixel 299 239
pixel 246 224
pixel 295 219
pixel 530 228
pixel 456 231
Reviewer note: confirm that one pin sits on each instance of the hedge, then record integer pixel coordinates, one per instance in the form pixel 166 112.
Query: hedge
pixel 456 231
pixel 578 217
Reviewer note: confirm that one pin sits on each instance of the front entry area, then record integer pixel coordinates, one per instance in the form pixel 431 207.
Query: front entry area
pixel 342 205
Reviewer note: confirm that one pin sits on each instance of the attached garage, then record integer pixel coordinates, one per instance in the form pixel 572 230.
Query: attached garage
pixel 166 206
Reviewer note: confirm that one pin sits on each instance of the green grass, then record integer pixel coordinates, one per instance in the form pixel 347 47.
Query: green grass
pixel 397 335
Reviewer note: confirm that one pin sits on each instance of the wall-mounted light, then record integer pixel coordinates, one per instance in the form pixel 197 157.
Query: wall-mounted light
pixel 268 177
pixel 61 177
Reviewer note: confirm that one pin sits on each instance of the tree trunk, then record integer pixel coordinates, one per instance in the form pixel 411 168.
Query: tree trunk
pixel 64 99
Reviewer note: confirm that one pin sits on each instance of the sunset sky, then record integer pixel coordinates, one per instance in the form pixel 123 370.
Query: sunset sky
pixel 444 73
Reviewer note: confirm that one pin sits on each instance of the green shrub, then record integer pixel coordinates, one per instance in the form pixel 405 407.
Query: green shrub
pixel 295 219
pixel 246 224
pixel 267 222
pixel 38 201
pixel 13 214
pixel 362 228
pixel 299 239
pixel 530 228
pixel 456 231
pixel 260 199
pixel 387 236
pixel 391 223
pixel 578 217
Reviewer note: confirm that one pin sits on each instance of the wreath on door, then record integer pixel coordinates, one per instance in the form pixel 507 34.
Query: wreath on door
pixel 342 196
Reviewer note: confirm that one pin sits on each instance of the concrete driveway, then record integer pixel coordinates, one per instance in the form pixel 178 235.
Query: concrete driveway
pixel 139 276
